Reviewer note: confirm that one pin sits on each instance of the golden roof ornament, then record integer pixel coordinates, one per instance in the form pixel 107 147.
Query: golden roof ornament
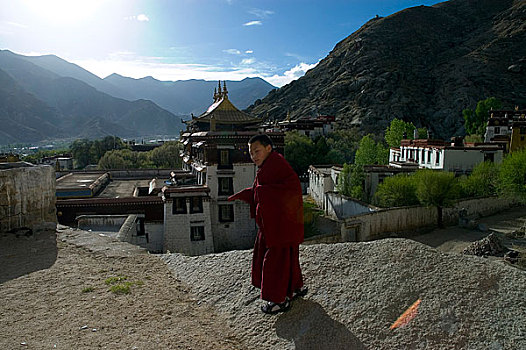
pixel 225 91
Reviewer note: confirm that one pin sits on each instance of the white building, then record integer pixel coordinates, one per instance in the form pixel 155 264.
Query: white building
pixel 437 154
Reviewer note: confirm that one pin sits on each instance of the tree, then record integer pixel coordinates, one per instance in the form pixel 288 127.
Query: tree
pixel 350 181
pixel 423 133
pixel 397 191
pixel 345 143
pixel 512 175
pixel 167 155
pixel 475 122
pixel 436 188
pixel 124 159
pixel 80 150
pixel 396 130
pixel 367 152
pixel 483 181
pixel 299 151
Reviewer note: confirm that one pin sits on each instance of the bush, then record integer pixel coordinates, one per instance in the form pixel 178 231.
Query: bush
pixel 397 191
pixel 483 181
pixel 512 175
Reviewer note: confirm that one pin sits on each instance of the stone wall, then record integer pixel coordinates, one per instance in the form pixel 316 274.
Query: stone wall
pixel 407 221
pixel 27 196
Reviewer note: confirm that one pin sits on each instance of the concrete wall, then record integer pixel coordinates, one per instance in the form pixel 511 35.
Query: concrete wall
pixel 341 207
pixel 411 220
pixel 111 223
pixel 240 233
pixel 153 240
pixel 27 196
pixel 177 229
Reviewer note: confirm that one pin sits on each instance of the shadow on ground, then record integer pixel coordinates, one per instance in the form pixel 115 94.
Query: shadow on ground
pixel 310 327
pixel 24 252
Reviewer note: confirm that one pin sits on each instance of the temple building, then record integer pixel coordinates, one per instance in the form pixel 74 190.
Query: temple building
pixel 198 218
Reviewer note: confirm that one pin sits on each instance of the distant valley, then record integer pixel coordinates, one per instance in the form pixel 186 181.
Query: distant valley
pixel 46 98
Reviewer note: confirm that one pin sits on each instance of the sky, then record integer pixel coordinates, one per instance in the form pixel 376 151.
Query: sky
pixel 277 40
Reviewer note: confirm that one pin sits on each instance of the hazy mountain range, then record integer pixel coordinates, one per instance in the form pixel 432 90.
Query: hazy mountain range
pixel 46 97
pixel 423 64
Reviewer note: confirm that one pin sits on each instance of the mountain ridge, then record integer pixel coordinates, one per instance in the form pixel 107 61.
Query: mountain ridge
pixel 424 64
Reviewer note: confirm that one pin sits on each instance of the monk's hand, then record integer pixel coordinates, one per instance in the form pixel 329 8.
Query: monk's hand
pixel 232 197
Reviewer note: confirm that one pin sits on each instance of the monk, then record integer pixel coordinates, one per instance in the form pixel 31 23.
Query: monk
pixel 276 203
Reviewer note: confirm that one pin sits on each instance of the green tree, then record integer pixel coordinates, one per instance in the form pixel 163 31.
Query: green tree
pixel 436 188
pixel 350 181
pixel 345 142
pixel 483 181
pixel 124 159
pixel 423 133
pixel 397 191
pixel 475 122
pixel 299 151
pixel 367 152
pixel 167 155
pixel 395 131
pixel 382 154
pixel 80 151
pixel 512 175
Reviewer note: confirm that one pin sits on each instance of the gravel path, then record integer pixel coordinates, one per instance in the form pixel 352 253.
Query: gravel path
pixel 357 290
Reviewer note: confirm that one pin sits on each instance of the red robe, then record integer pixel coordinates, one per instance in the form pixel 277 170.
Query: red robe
pixel 276 203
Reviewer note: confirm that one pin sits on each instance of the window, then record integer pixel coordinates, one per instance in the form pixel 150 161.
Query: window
pixel 497 130
pixel 429 156
pixel 179 205
pixel 423 156
pixel 226 213
pixel 226 186
pixel 196 205
pixel 437 158
pixel 489 157
pixel 140 226
pixel 197 233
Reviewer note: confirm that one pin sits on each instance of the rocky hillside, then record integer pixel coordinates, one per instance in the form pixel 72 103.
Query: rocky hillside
pixel 423 64
pixel 358 290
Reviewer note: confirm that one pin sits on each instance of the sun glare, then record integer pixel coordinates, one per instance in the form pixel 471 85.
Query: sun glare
pixel 63 11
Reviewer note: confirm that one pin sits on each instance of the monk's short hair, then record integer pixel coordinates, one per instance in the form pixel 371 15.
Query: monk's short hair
pixel 264 139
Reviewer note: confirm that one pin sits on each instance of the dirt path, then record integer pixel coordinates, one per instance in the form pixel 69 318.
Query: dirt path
pixel 454 239
pixel 54 295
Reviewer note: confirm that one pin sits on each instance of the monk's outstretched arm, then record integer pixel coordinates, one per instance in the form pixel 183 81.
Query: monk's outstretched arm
pixel 246 195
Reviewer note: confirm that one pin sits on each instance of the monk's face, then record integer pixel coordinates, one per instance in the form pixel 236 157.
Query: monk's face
pixel 258 152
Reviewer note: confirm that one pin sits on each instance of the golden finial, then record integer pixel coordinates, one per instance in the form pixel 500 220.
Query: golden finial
pixel 215 94
pixel 219 92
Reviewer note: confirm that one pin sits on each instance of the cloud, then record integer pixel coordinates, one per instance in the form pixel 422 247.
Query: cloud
pixel 141 18
pixel 259 13
pixel 253 23
pixel 292 74
pixel 247 61
pixel 134 66
pixel 232 51
pixel 249 51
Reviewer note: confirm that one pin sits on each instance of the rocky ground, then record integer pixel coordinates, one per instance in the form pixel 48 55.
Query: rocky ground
pixel 54 293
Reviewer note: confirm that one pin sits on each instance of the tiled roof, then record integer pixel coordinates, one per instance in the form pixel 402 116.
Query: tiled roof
pixel 223 111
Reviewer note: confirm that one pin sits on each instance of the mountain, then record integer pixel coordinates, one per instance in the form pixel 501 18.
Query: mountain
pixel 40 104
pixel 64 68
pixel 24 117
pixel 190 96
pixel 423 64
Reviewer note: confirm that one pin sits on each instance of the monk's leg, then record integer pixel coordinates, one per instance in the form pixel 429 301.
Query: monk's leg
pixel 296 277
pixel 276 274
pixel 257 260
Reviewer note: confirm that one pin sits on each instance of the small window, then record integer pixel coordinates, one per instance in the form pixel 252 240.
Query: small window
pixel 224 157
pixel 423 156
pixel 437 158
pixel 140 226
pixel 197 233
pixel 497 130
pixel 196 205
pixel 179 205
pixel 226 186
pixel 429 156
pixel 226 213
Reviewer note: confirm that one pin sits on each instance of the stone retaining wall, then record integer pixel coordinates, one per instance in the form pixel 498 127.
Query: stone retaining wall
pixel 27 196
